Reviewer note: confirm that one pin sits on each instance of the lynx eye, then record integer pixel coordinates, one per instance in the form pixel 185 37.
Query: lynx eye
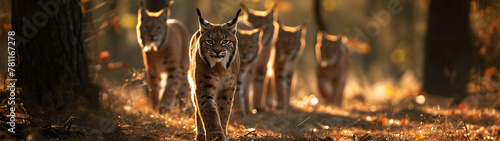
pixel 225 42
pixel 209 42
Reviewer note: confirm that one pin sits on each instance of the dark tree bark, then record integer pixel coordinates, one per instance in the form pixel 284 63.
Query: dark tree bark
pixel 52 68
pixel 448 50
pixel 155 5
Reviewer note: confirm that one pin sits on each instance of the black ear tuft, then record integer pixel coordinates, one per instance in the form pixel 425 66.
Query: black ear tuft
pixel 198 11
pixel 238 13
pixel 203 22
pixel 231 22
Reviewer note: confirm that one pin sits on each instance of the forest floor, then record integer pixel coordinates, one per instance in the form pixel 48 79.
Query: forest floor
pixel 138 122
pixel 430 124
pixel 126 115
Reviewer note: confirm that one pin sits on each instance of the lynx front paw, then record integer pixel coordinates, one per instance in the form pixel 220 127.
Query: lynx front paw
pixel 217 136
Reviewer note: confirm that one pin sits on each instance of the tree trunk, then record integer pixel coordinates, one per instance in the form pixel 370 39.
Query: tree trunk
pixel 52 68
pixel 155 5
pixel 448 59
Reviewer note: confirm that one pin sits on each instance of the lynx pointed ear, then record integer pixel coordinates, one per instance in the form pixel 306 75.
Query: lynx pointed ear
pixel 203 23
pixel 165 14
pixel 232 23
pixel 142 12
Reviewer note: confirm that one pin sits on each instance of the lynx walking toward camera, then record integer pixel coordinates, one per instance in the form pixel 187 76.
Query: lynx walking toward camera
pixel 213 71
pixel 265 20
pixel 164 45
pixel 333 58
pixel 289 46
pixel 249 46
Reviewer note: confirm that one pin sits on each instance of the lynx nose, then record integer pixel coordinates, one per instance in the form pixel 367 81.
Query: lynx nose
pixel 220 52
pixel 153 38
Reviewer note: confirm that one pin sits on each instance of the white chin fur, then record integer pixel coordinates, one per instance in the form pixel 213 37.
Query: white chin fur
pixel 150 47
pixel 214 61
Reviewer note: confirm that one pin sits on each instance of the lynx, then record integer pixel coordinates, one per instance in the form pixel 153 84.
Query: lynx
pixel 249 46
pixel 164 45
pixel 333 58
pixel 266 20
pixel 289 47
pixel 213 72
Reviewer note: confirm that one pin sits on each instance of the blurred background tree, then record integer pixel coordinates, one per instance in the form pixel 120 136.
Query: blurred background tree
pixel 448 51
pixel 52 68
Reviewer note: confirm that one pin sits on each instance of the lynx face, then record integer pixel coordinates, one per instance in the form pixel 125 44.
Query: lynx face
pixel 217 42
pixel 330 49
pixel 152 28
pixel 261 18
pixel 290 40
pixel 248 44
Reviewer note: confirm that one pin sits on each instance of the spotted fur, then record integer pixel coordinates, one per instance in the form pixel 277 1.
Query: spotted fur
pixel 333 58
pixel 289 47
pixel 249 46
pixel 267 21
pixel 164 45
pixel 213 71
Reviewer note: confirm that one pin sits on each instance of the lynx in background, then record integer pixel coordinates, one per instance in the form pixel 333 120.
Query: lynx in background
pixel 289 46
pixel 333 58
pixel 164 45
pixel 249 46
pixel 213 71
pixel 265 20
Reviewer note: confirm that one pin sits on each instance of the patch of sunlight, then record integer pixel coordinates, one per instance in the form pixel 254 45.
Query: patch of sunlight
pixel 268 4
pixel 128 21
pixel 420 99
pixel 399 54
pixel 329 5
